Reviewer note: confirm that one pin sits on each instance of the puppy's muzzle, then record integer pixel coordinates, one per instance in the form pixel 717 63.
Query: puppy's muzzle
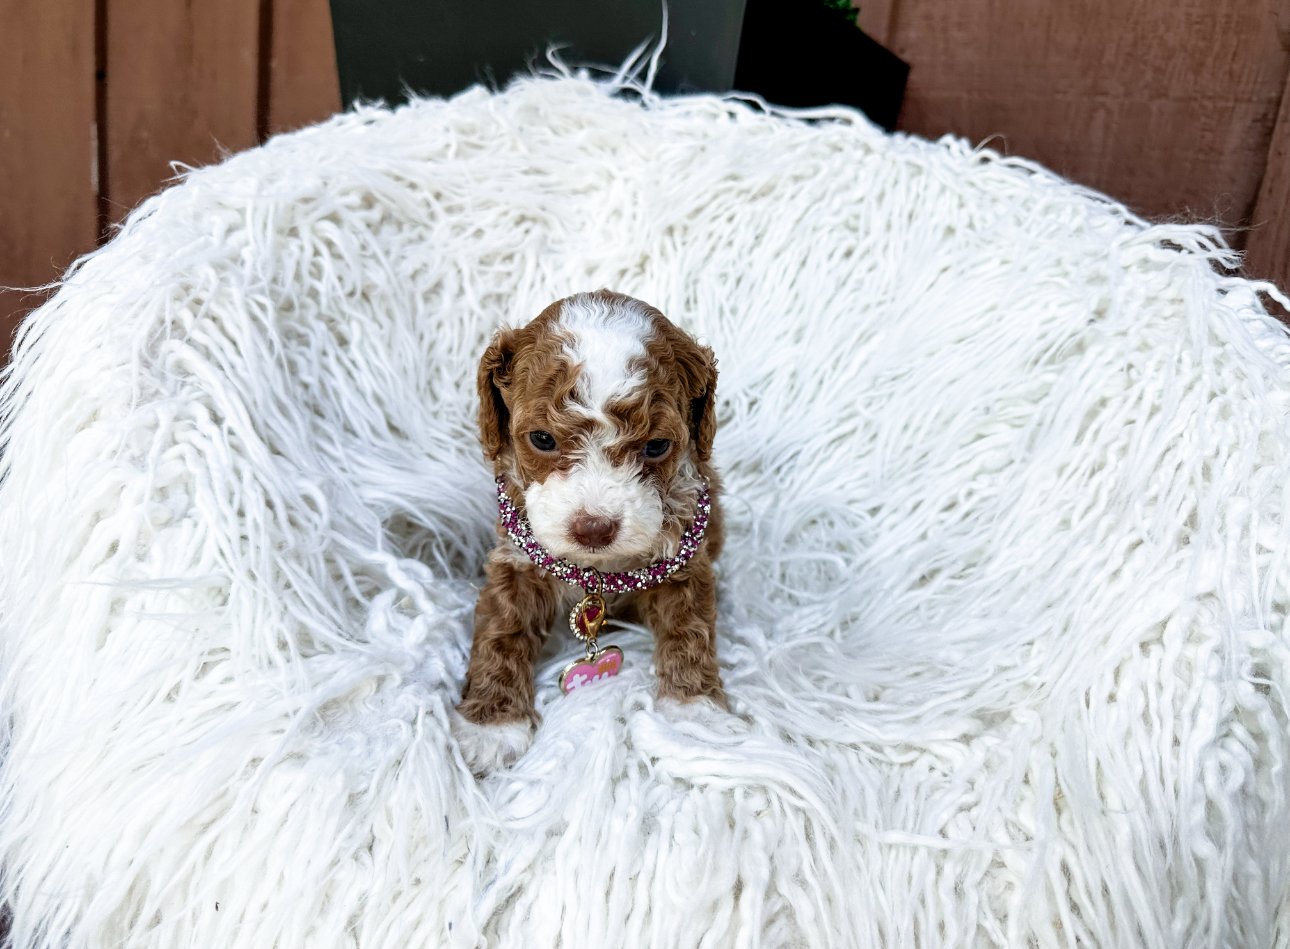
pixel 593 531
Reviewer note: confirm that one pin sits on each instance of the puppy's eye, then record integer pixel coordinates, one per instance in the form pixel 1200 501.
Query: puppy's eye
pixel 542 441
pixel 656 448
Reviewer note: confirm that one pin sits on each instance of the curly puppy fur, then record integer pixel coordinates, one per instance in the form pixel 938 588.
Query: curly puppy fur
pixel 622 404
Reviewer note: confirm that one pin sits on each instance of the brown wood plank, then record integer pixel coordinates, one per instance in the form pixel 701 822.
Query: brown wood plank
pixel 1167 105
pixel 1268 247
pixel 876 18
pixel 303 84
pixel 181 85
pixel 48 198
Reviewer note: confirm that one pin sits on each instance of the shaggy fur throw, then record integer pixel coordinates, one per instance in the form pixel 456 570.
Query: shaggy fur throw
pixel 1003 605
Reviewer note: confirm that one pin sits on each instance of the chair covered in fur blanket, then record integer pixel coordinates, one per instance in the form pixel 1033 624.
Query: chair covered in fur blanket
pixel 1003 605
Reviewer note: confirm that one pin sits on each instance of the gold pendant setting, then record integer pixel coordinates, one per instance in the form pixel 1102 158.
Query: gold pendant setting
pixel 588 616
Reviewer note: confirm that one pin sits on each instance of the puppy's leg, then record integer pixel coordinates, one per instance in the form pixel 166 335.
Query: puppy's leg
pixel 512 617
pixel 683 615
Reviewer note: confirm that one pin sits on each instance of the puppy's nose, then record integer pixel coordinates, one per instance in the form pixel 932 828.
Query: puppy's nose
pixel 592 530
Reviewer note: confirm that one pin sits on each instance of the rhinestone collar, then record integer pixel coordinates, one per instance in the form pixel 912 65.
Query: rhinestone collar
pixel 590 579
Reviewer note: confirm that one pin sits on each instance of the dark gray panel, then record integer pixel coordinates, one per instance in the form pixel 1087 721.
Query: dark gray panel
pixel 439 47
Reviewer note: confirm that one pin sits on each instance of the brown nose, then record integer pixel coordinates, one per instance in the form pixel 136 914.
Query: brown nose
pixel 592 530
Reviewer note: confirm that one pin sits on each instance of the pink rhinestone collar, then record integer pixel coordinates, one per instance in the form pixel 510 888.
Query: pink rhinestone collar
pixel 590 579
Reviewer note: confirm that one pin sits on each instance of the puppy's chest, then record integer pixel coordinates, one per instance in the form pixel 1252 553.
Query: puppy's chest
pixel 620 607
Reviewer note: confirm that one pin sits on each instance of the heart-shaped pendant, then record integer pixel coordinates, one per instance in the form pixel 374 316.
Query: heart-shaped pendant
pixel 605 664
pixel 588 616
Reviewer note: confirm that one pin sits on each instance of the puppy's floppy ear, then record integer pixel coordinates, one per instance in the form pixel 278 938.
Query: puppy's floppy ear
pixel 697 367
pixel 493 380
pixel 703 408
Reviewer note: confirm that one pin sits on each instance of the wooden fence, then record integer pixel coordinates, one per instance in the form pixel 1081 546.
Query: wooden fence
pixel 99 97
pixel 1180 108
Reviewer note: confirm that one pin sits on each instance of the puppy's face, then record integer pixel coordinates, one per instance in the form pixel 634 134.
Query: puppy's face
pixel 601 412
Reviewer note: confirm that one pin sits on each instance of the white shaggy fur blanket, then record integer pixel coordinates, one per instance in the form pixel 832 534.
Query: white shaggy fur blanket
pixel 1004 604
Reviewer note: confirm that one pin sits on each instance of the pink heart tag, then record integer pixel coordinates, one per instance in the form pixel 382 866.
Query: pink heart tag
pixel 603 665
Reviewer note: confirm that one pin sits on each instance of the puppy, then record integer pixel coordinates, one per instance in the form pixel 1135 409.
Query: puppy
pixel 598 417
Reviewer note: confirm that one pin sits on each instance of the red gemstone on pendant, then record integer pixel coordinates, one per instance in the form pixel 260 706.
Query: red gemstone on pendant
pixel 591 612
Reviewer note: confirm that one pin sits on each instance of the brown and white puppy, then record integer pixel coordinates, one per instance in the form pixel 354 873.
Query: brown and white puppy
pixel 600 413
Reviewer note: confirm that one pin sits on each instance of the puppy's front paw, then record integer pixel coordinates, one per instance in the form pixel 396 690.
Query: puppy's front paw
pixel 489 748
pixel 709 714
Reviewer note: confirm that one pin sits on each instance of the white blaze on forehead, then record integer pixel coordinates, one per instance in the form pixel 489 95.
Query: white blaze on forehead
pixel 607 338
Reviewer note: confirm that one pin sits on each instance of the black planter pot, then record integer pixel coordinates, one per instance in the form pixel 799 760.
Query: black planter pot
pixel 801 53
